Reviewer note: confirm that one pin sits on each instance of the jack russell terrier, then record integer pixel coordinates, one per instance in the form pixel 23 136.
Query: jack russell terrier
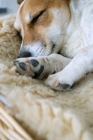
pixel 49 29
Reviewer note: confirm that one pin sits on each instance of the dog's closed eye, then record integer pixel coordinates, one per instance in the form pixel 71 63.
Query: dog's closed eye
pixel 34 20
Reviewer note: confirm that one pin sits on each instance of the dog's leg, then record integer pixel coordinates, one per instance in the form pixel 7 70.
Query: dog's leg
pixel 80 65
pixel 39 67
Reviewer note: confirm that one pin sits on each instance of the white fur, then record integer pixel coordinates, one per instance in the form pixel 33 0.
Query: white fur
pixel 79 33
pixel 28 18
pixel 80 65
pixel 54 31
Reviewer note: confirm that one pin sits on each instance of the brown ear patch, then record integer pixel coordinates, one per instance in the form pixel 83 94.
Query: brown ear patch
pixel 19 1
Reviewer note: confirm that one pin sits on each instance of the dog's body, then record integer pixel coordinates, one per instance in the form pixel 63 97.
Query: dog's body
pixel 56 26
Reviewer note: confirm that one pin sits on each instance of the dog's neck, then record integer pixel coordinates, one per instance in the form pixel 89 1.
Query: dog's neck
pixel 78 34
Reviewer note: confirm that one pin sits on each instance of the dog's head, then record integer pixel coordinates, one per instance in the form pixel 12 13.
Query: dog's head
pixel 41 24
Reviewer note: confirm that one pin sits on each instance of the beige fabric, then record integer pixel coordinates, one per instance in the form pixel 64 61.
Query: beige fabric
pixel 44 113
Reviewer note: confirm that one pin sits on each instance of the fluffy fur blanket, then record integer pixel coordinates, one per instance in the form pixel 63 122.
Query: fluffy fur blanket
pixel 44 113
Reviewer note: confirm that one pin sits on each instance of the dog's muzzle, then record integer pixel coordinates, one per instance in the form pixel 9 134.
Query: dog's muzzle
pixel 24 54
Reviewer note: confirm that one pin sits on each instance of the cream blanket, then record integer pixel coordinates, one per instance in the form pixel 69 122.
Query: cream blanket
pixel 44 113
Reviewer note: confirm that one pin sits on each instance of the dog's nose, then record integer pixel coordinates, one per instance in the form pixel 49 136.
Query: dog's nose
pixel 24 54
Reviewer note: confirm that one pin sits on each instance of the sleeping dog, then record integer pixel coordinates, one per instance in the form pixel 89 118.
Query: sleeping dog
pixel 49 30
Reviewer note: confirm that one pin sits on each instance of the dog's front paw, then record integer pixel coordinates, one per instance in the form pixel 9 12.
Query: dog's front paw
pixel 40 67
pixel 29 66
pixel 35 67
pixel 60 81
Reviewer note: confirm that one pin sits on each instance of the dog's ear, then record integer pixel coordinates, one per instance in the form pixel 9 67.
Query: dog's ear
pixel 19 1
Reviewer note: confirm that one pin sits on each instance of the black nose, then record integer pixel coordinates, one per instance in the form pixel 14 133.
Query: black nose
pixel 24 54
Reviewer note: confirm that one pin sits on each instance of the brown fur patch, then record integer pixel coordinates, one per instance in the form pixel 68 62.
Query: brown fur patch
pixel 34 32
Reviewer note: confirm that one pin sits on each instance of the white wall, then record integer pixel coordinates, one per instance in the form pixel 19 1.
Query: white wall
pixel 11 6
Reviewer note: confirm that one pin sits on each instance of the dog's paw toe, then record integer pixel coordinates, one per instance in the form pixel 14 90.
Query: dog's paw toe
pixel 59 81
pixel 22 65
pixel 34 62
pixel 38 72
pixel 65 86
